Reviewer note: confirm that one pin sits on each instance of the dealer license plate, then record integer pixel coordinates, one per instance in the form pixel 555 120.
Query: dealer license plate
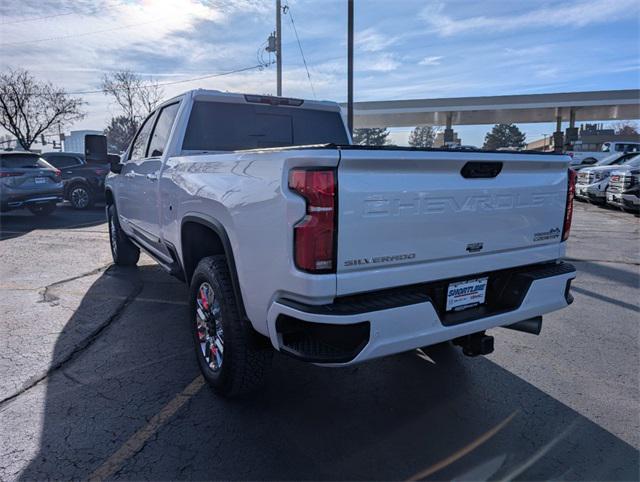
pixel 466 294
pixel 40 180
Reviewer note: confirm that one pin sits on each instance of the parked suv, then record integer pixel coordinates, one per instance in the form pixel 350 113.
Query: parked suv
pixel 83 181
pixel 27 180
pixel 624 186
pixel 593 181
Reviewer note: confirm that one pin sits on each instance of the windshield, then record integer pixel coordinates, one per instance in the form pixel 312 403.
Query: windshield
pixel 633 162
pixel 23 161
pixel 607 161
pixel 217 126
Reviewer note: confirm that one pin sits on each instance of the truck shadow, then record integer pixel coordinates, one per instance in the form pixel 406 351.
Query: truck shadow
pixel 439 416
pixel 16 223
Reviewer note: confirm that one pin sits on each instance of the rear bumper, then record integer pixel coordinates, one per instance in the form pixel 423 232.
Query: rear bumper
pixel 384 323
pixel 14 199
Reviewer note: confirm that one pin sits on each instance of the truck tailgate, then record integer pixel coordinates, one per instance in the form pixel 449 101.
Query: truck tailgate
pixel 415 209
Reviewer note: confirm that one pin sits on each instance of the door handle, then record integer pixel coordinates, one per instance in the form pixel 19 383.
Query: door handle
pixel 69 172
pixel 152 177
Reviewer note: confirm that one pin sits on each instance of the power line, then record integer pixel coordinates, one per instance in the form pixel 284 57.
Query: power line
pixel 62 37
pixel 173 82
pixel 287 9
pixel 33 19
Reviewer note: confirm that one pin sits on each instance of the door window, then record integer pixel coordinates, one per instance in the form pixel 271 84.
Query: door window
pixel 162 130
pixel 139 147
pixel 62 162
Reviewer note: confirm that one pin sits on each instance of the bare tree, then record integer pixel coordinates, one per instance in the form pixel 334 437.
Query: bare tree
pixel 626 128
pixel 135 96
pixel 29 107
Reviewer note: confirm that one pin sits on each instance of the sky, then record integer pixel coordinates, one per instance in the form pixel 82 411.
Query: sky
pixel 404 48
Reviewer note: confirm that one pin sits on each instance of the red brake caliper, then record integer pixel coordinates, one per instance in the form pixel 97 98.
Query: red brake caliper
pixel 205 304
pixel 214 352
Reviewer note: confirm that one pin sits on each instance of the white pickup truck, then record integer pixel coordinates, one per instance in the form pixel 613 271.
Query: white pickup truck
pixel 582 156
pixel 292 239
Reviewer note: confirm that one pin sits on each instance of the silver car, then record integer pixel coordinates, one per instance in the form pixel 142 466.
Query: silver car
pixel 28 181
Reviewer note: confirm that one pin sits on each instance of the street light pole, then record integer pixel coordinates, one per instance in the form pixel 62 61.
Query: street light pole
pixel 350 66
pixel 279 47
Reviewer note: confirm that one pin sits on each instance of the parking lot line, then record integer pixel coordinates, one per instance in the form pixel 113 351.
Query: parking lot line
pixel 138 439
pixel 463 451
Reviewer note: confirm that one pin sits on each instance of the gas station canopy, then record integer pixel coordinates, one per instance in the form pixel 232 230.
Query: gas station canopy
pixel 530 108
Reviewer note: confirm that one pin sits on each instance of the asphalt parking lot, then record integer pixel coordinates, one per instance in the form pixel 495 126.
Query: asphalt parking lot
pixel 98 380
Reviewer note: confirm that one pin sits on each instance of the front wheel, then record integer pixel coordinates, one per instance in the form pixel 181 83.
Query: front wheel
pixel 123 251
pixel 231 356
pixel 42 210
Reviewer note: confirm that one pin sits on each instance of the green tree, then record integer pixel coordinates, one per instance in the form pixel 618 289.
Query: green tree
pixel 119 133
pixel 423 136
pixel 371 136
pixel 504 135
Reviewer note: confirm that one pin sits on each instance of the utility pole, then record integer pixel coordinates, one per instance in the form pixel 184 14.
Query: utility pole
pixel 350 66
pixel 279 46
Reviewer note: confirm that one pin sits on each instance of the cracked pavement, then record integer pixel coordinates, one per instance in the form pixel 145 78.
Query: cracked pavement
pixel 93 357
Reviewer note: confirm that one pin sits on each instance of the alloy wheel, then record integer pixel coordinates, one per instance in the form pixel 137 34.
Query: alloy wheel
pixel 79 197
pixel 209 327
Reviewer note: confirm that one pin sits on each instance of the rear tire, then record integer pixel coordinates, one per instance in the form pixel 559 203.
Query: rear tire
pixel 80 196
pixel 123 251
pixel 43 209
pixel 231 356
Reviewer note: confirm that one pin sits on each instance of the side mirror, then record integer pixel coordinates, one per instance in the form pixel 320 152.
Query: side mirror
pixel 95 148
pixel 114 163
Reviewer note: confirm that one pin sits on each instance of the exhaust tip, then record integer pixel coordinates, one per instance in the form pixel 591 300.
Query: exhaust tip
pixel 531 325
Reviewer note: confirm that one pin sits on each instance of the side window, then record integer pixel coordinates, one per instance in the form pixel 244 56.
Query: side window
pixel 138 150
pixel 62 162
pixel 620 147
pixel 162 130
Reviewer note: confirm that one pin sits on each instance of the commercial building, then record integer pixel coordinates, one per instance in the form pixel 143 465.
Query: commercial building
pixel 590 138
pixel 568 107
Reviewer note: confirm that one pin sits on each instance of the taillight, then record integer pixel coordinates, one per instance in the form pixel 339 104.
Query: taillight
pixel 10 173
pixel 100 172
pixel 568 211
pixel 314 236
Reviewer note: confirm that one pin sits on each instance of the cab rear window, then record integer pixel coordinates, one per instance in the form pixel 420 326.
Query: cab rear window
pixel 219 126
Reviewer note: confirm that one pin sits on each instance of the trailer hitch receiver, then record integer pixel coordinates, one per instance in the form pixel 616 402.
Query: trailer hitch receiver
pixel 475 344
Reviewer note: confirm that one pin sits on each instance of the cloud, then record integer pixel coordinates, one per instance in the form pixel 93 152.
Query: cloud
pixel 433 60
pixel 566 14
pixel 381 63
pixel 370 40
